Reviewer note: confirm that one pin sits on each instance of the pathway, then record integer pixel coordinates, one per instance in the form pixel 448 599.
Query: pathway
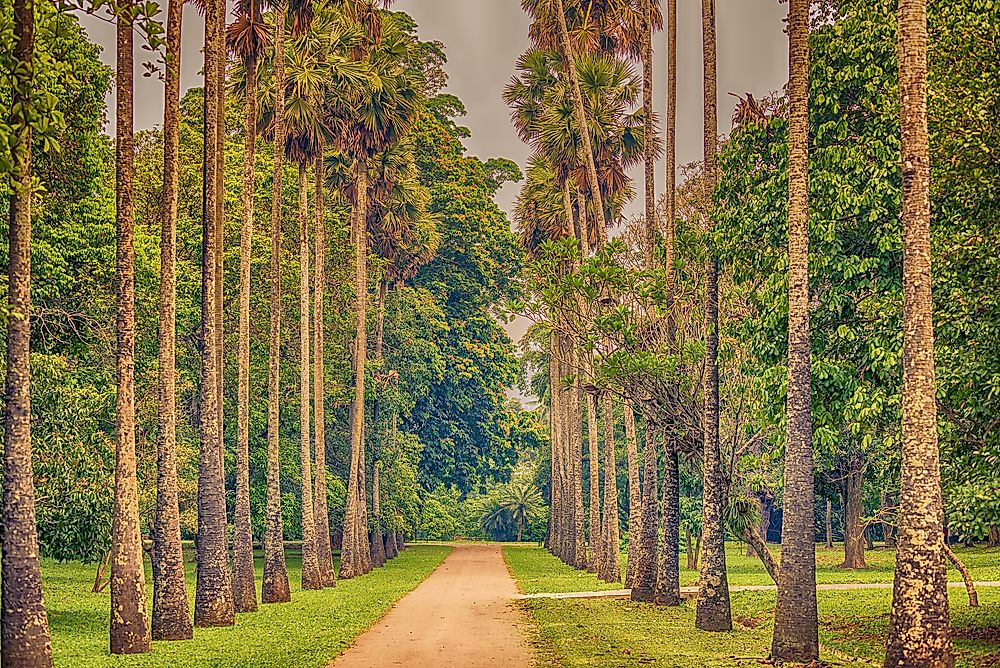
pixel 690 592
pixel 460 616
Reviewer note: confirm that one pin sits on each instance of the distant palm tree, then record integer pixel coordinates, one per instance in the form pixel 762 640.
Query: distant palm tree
pixel 523 503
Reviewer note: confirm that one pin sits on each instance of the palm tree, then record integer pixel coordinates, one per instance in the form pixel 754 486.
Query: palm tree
pixel 247 37
pixel 274 587
pixel 213 604
pixel 796 628
pixel 667 571
pixel 370 121
pixel 610 567
pixel 523 504
pixel 24 626
pixel 918 628
pixel 129 628
pixel 321 513
pixel 171 617
pixel 634 495
pixel 713 612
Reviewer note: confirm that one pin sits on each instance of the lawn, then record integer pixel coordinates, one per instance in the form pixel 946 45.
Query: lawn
pixel 310 631
pixel 853 624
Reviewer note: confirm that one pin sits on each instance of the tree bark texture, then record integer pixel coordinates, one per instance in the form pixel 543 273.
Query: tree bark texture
pixel 171 615
pixel 634 496
pixel 644 587
pixel 24 626
pixel 918 627
pixel 274 587
pixel 668 585
pixel 611 569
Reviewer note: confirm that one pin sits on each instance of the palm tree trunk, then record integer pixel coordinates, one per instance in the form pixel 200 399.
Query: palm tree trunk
pixel 129 629
pixel 854 529
pixel 213 605
pixel 796 626
pixel 611 569
pixel 310 561
pixel 555 441
pixel 829 524
pixel 274 587
pixel 220 229
pixel 713 611
pixel 244 585
pixel 377 542
pixel 24 627
pixel 569 61
pixel 595 553
pixel 171 616
pixel 634 497
pixel 355 532
pixel 668 586
pixel 644 587
pixel 919 627
pixel 576 454
pixel 649 163
pixel 670 147
pixel 321 513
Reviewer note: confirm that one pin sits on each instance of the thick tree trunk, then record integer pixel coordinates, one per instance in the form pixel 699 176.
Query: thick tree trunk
pixel 576 459
pixel 854 529
pixel 644 588
pixel 129 628
pixel 713 610
pixel 321 512
pixel 796 624
pixel 634 498
pixel 610 568
pixel 24 627
pixel 829 524
pixel 213 604
pixel 171 615
pixel 355 549
pixel 556 540
pixel 274 587
pixel 311 578
pixel 668 585
pixel 919 627
pixel 390 546
pixel 244 585
pixel 993 540
pixel 595 536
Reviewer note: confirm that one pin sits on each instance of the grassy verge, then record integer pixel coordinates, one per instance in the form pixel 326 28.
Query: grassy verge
pixel 607 632
pixel 310 631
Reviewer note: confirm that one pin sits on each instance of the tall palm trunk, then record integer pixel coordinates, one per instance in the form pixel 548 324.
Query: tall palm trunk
pixel 576 454
pixel 569 62
pixel 171 617
pixel 321 513
pixel 213 604
pixel 644 587
pixel 610 567
pixel 355 542
pixel 555 441
pixel 634 496
pixel 377 542
pixel 918 628
pixel 24 627
pixel 796 627
pixel 595 553
pixel 713 612
pixel 129 629
pixel 310 562
pixel 649 164
pixel 668 586
pixel 244 586
pixel 274 587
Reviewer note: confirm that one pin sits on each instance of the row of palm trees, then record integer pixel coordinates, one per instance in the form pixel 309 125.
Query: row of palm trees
pixel 572 98
pixel 337 93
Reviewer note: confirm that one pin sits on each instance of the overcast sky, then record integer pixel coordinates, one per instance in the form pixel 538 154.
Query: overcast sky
pixel 483 39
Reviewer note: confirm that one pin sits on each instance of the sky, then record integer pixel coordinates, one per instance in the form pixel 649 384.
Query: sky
pixel 483 39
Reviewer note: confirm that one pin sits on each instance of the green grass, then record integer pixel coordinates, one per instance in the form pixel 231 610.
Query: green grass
pixel 853 624
pixel 310 631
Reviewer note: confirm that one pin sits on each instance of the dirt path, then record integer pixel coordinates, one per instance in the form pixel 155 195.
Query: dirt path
pixel 460 616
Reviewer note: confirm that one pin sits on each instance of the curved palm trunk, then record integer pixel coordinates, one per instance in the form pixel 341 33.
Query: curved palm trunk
pixel 274 587
pixel 213 604
pixel 171 617
pixel 352 559
pixel 569 60
pixel 610 568
pixel 24 627
pixel 310 562
pixel 244 586
pixel 668 586
pixel 634 497
pixel 129 629
pixel 918 628
pixel 321 513
pixel 796 627
pixel 713 612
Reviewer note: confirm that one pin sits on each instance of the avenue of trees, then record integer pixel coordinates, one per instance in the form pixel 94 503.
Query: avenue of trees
pixel 764 336
pixel 272 318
